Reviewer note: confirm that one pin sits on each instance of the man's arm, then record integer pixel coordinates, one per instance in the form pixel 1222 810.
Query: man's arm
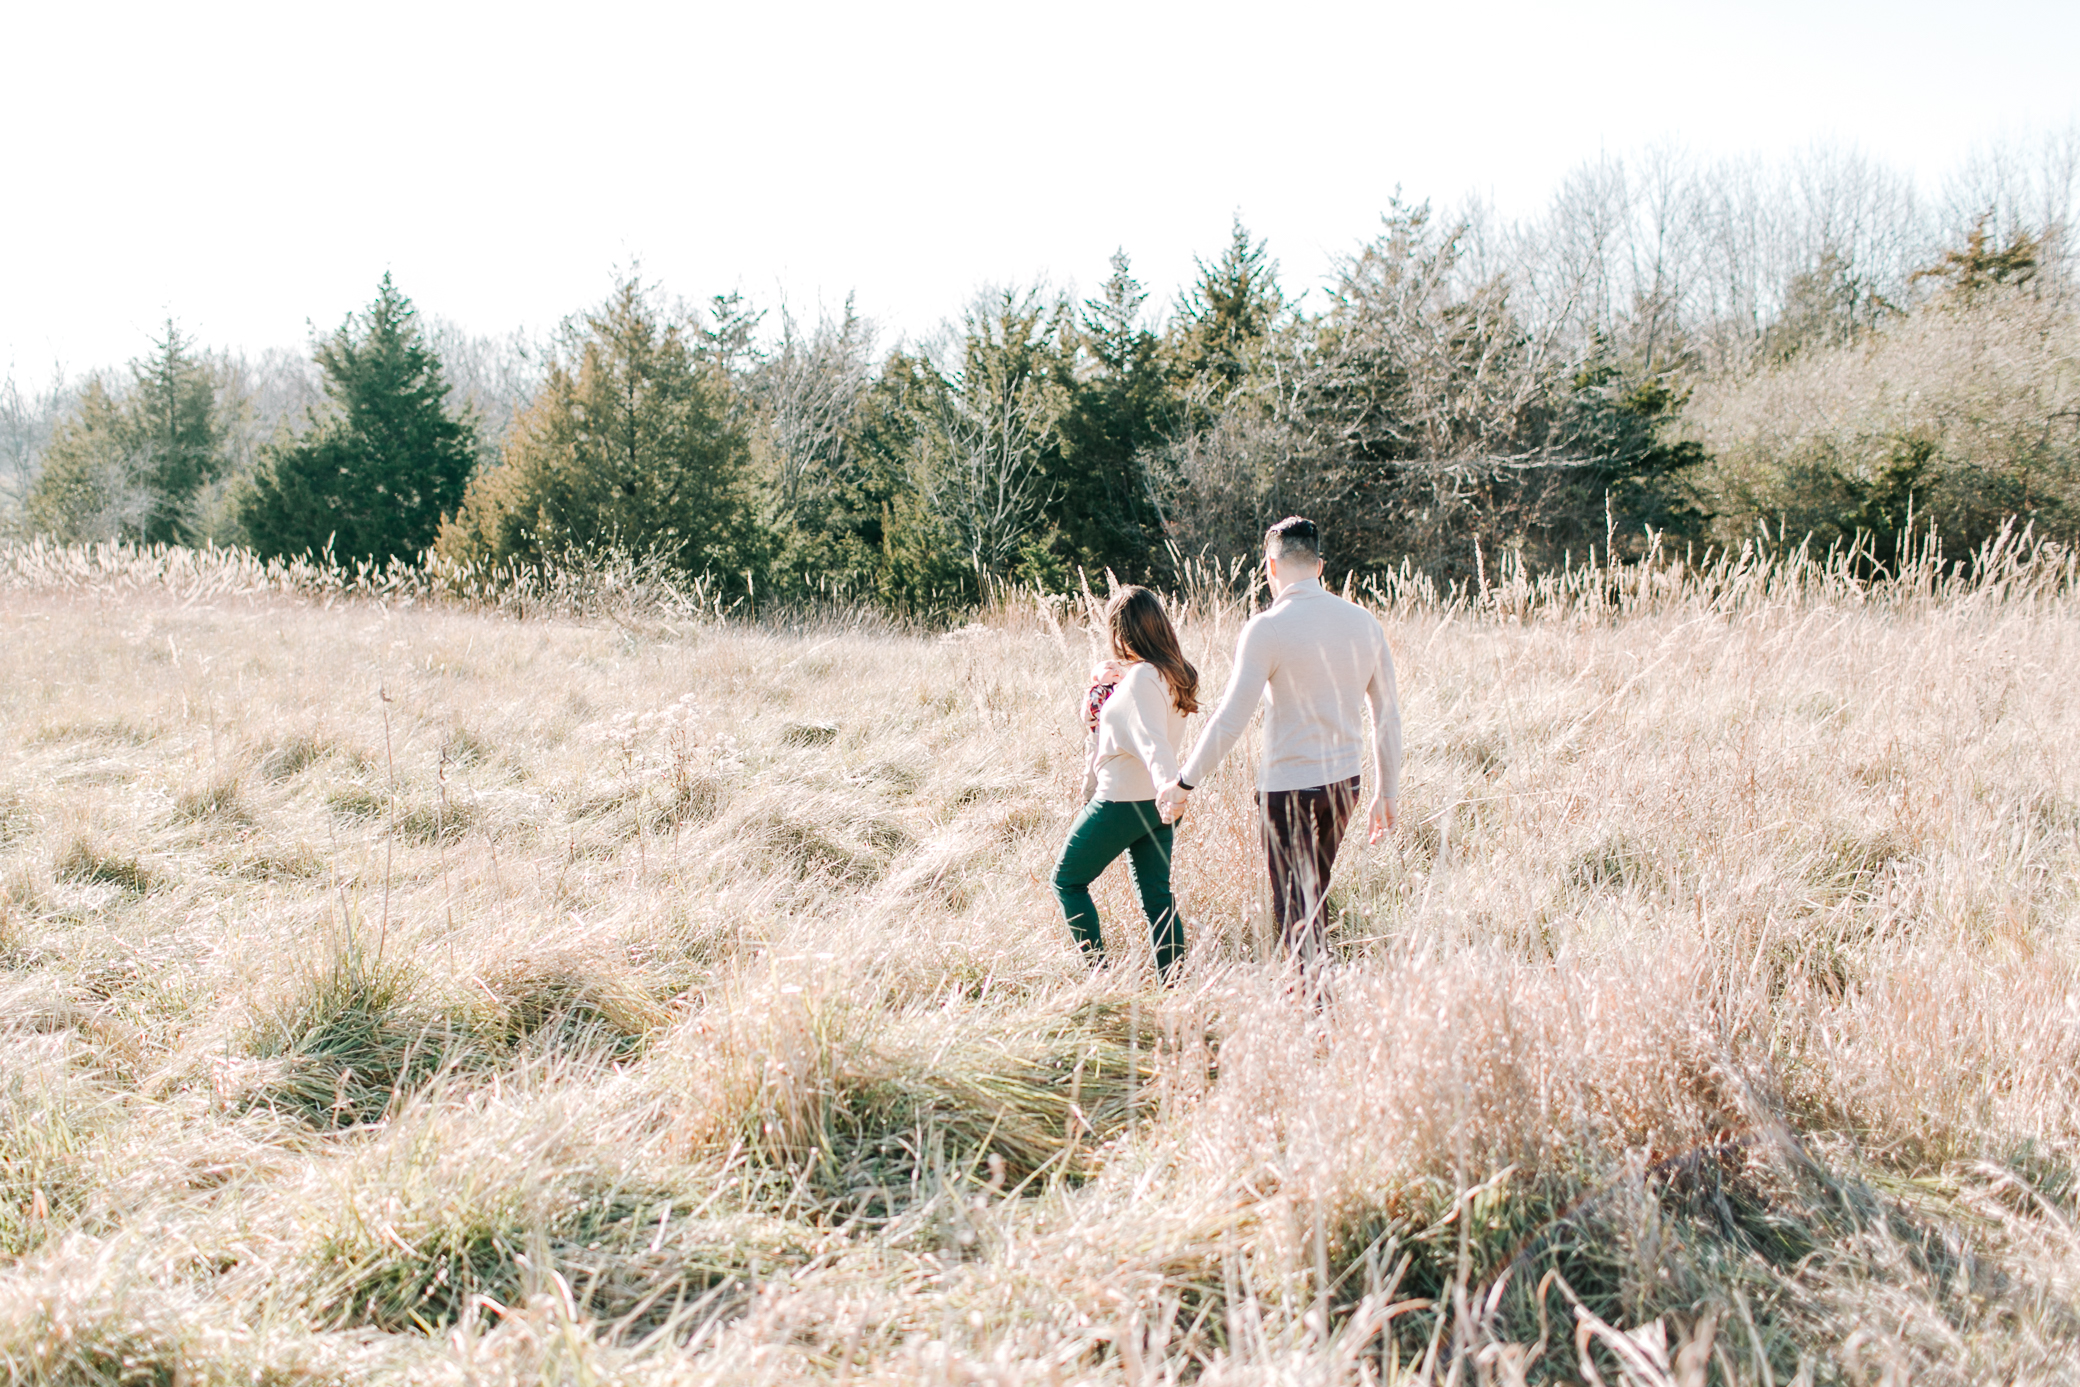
pixel 1237 706
pixel 1384 704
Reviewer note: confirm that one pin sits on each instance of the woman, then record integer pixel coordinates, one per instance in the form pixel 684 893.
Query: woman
pixel 1134 745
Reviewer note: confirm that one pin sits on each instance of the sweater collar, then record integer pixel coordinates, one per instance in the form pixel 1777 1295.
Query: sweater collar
pixel 1306 587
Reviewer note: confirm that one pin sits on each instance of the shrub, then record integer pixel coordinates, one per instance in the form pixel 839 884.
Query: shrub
pixel 1964 414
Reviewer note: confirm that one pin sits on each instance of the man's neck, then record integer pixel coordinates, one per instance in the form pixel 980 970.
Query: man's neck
pixel 1286 587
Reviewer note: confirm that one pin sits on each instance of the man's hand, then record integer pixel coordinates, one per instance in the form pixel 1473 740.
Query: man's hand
pixel 1170 802
pixel 1381 817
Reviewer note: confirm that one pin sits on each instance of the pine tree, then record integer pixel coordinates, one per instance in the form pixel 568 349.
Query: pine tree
pixel 631 444
pixel 729 339
pixel 1226 318
pixel 132 464
pixel 182 436
pixel 907 553
pixel 1119 405
pixel 374 477
pixel 1982 263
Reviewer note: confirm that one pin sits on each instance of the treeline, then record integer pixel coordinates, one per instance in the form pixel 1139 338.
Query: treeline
pixel 1698 352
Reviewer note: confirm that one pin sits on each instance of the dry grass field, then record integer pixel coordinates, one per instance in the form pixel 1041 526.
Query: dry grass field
pixel 403 991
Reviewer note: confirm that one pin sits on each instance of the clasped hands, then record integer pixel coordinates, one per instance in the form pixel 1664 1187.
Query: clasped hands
pixel 1380 815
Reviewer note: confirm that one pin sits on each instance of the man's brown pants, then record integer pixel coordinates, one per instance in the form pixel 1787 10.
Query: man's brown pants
pixel 1302 830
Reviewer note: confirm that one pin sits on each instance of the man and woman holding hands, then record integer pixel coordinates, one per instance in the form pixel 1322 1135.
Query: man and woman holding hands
pixel 1321 668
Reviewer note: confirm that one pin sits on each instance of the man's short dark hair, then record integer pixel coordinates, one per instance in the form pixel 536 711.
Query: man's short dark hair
pixel 1294 538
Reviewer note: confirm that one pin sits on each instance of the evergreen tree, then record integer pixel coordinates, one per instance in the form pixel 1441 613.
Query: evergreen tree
pixel 906 546
pixel 1635 467
pixel 1982 263
pixel 1119 406
pixel 132 465
pixel 1228 315
pixel 729 339
pixel 632 443
pixel 87 490
pixel 181 433
pixel 373 478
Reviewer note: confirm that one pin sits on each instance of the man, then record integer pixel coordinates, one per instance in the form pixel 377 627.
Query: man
pixel 1321 667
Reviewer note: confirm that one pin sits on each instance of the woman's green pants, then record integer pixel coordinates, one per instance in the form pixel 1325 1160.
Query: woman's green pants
pixel 1103 831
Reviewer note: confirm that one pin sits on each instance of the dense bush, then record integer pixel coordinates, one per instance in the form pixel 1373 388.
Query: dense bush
pixel 1966 414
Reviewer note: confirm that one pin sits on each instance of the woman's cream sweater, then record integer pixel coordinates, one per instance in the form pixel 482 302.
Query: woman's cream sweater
pixel 1135 747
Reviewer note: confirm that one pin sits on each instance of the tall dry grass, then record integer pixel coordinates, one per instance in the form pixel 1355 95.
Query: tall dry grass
pixel 409 992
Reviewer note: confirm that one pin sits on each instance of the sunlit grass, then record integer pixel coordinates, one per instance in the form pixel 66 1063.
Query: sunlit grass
pixel 411 992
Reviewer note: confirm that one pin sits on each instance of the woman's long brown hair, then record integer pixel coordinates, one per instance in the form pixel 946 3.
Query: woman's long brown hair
pixel 1141 630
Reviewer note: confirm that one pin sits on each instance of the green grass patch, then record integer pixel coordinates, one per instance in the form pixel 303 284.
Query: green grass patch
pixel 354 1040
pixel 809 849
pixel 686 799
pixel 447 1240
pixel 467 748
pixel 564 1006
pixel 1034 1101
pixel 218 799
pixel 432 821
pixel 356 801
pixel 90 863
pixel 293 755
pixel 115 731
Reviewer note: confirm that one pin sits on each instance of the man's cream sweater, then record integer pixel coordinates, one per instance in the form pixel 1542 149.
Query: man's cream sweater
pixel 1135 746
pixel 1320 665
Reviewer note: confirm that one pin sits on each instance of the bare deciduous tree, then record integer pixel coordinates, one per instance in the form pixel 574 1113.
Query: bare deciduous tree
pixel 1669 260
pixel 496 377
pixel 1215 482
pixel 26 421
pixel 981 449
pixel 810 387
pixel 982 461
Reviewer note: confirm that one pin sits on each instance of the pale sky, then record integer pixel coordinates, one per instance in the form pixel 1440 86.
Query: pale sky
pixel 250 169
